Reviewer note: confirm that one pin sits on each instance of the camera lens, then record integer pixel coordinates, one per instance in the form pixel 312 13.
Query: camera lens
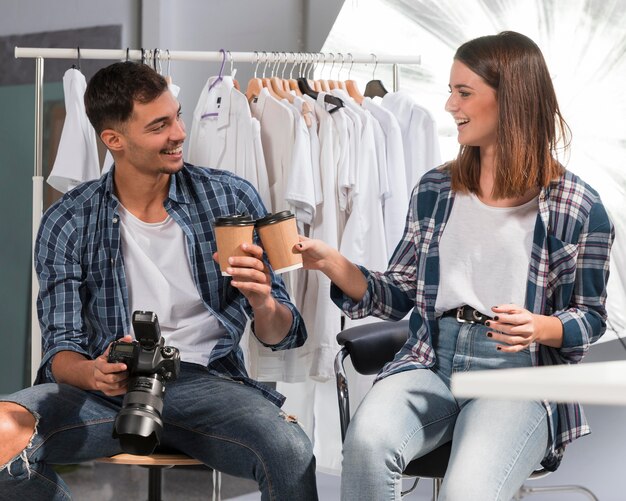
pixel 138 424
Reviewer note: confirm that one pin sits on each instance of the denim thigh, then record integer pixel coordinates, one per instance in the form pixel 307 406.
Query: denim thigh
pixel 73 425
pixel 233 428
pixel 403 416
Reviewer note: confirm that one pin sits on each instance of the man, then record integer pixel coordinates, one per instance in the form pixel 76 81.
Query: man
pixel 141 238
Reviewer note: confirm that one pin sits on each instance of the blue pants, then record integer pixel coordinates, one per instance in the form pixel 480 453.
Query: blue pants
pixel 225 424
pixel 496 444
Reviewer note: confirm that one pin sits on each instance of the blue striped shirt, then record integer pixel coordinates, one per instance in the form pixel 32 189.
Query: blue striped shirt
pixel 83 300
pixel 567 278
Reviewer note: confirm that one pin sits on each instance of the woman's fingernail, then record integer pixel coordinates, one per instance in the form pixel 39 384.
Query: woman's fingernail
pixel 487 323
pixel 496 318
pixel 300 246
pixel 489 334
pixel 499 348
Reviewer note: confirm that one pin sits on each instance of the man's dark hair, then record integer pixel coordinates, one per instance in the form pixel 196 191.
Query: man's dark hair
pixel 112 91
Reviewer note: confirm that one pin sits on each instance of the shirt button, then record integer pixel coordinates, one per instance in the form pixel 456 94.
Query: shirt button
pixel 115 220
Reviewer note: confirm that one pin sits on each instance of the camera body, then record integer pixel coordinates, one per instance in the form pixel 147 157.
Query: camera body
pixel 148 354
pixel 150 364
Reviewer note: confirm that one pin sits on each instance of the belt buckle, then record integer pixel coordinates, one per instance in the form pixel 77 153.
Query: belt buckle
pixel 459 315
pixel 478 316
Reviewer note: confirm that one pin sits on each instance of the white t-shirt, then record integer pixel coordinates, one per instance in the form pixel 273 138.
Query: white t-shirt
pixel 159 279
pixel 484 254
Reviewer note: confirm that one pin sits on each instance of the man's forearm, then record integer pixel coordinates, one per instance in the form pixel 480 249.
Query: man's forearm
pixel 272 322
pixel 75 369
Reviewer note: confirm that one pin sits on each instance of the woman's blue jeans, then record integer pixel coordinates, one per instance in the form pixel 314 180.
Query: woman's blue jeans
pixel 496 444
pixel 225 424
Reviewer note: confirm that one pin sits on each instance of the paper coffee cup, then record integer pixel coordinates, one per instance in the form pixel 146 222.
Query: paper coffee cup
pixel 278 233
pixel 230 233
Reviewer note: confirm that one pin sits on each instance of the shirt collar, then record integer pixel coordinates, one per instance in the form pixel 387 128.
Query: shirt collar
pixel 179 188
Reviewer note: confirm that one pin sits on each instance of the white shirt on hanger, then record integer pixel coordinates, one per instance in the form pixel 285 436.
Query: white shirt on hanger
pixel 419 135
pixel 222 134
pixel 277 138
pixel 396 205
pixel 379 140
pixel 77 156
pixel 363 240
pixel 300 181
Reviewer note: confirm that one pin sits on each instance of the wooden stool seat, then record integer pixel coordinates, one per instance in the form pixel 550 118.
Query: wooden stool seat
pixel 157 459
pixel 155 463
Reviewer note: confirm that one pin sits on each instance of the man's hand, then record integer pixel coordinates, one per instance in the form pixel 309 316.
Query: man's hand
pixel 110 378
pixel 251 276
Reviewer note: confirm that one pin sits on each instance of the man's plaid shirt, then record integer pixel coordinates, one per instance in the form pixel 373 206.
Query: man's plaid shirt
pixel 567 277
pixel 83 300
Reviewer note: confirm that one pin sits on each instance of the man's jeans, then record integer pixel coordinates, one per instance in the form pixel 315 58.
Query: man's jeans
pixel 496 443
pixel 225 424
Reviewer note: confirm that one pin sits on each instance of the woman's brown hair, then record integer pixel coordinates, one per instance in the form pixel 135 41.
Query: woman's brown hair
pixel 530 124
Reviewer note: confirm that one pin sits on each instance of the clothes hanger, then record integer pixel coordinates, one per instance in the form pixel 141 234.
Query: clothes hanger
pixel 233 70
pixel 267 84
pixel 351 85
pixel 220 75
pixel 76 66
pixel 278 87
pixel 168 75
pixel 285 93
pixel 322 84
pixel 305 88
pixel 293 84
pixel 374 87
pixel 332 84
pixel 255 84
pixel 339 82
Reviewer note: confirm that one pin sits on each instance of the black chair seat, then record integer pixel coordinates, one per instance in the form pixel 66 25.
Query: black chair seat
pixel 432 465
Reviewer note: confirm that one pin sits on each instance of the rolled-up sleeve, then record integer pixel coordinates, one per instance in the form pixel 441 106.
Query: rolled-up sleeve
pixel 584 321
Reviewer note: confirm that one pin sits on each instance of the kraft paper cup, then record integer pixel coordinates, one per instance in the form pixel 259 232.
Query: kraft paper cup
pixel 278 233
pixel 230 233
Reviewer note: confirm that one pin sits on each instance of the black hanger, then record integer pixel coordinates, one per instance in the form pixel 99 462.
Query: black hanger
pixel 305 88
pixel 374 88
pixel 77 65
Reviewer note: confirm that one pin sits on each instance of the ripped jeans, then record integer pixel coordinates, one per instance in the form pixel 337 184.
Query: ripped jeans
pixel 227 425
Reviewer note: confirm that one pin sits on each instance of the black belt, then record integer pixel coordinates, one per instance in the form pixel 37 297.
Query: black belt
pixel 466 314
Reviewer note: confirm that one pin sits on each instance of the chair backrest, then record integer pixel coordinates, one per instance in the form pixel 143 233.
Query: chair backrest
pixel 371 346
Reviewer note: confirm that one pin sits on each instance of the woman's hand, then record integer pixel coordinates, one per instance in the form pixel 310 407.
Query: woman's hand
pixel 111 378
pixel 517 328
pixel 316 254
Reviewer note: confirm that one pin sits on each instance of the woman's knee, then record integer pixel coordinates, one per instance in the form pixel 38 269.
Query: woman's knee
pixel 17 426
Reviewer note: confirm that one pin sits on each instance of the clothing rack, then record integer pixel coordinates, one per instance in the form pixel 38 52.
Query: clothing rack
pixel 157 55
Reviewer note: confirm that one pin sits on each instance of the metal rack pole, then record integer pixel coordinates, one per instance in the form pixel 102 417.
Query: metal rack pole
pixel 37 211
pixel 210 56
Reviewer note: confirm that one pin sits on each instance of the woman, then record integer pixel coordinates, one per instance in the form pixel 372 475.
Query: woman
pixel 503 224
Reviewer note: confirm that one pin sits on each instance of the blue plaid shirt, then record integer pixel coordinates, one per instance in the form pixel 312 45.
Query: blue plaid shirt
pixel 568 273
pixel 83 300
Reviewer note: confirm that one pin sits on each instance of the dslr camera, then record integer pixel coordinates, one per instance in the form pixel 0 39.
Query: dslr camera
pixel 151 364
